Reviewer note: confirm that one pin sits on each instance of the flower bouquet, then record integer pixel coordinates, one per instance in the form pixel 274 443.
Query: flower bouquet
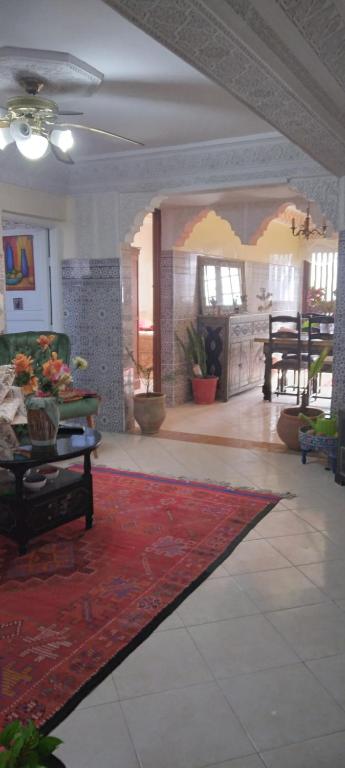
pixel 42 379
pixel 317 302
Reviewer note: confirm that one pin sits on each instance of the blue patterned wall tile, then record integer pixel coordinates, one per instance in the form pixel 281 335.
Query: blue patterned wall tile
pixel 92 319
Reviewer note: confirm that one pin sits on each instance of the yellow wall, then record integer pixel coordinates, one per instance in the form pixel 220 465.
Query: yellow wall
pixel 143 240
pixel 214 236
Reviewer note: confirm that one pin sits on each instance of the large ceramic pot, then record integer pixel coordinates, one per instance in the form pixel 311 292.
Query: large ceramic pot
pixel 289 424
pixel 43 420
pixel 149 411
pixel 204 390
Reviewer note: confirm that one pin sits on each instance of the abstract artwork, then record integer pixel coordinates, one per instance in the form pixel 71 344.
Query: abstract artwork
pixel 19 262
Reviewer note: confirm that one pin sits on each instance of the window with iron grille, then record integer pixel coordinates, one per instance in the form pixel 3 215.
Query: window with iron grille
pixel 323 272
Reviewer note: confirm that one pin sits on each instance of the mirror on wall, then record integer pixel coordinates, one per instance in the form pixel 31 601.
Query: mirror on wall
pixel 221 285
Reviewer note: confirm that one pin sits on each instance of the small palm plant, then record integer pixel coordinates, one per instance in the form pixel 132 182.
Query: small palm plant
pixel 23 746
pixel 145 372
pixel 313 371
pixel 194 351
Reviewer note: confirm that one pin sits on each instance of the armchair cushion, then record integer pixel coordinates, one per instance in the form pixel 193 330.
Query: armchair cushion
pixel 78 408
pixel 12 343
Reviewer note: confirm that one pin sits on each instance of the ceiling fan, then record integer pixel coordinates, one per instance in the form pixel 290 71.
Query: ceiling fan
pixel 32 123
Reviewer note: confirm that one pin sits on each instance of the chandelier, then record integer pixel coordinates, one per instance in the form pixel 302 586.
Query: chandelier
pixel 305 230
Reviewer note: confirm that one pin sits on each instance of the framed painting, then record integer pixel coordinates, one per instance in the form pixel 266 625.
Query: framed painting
pixel 19 262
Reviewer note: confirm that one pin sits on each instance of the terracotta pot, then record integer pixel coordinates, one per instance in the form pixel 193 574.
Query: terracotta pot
pixel 204 390
pixel 289 424
pixel 149 411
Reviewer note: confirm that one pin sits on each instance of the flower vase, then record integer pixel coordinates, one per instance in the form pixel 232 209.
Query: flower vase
pixel 43 420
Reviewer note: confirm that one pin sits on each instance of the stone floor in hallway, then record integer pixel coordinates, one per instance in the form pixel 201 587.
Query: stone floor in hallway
pixel 246 416
pixel 249 672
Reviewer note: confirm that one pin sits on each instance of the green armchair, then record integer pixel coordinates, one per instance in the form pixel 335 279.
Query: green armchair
pixel 26 342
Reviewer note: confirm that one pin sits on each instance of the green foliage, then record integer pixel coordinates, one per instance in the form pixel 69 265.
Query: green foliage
pixel 322 425
pixel 144 372
pixel 194 350
pixel 313 371
pixel 317 365
pixel 24 746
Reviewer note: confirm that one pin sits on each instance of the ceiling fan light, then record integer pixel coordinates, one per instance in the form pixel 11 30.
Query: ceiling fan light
pixel 33 148
pixel 62 139
pixel 5 137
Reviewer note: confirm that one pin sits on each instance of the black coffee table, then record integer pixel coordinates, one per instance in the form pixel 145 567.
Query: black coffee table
pixel 24 513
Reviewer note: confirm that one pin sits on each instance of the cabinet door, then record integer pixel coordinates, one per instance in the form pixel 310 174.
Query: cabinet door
pixel 245 363
pixel 234 368
pixel 257 368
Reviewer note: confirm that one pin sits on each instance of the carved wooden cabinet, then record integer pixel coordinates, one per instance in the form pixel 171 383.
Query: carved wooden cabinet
pixel 232 353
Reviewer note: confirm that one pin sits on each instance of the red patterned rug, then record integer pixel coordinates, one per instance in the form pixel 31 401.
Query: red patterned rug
pixel 80 601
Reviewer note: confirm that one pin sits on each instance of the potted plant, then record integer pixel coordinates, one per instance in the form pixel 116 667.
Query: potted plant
pixel 204 386
pixel 321 436
pixel 23 746
pixel 289 421
pixel 41 379
pixel 149 407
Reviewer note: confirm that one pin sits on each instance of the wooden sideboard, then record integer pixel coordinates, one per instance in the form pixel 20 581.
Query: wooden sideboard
pixel 232 352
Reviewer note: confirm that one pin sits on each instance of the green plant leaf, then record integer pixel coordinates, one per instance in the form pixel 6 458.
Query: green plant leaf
pixel 316 366
pixel 8 733
pixel 32 760
pixel 6 760
pixel 47 745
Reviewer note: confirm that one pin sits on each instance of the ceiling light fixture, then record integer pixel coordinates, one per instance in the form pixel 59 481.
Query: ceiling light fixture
pixel 305 230
pixel 33 148
pixel 5 137
pixel 62 139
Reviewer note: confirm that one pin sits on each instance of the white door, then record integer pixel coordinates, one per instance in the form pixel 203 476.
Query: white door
pixel 30 310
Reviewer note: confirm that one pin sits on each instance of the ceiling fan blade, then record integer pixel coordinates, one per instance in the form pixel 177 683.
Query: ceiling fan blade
pixel 67 112
pixel 4 123
pixel 100 131
pixel 63 157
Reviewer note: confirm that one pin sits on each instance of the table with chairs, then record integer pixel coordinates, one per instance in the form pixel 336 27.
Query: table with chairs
pixel 294 342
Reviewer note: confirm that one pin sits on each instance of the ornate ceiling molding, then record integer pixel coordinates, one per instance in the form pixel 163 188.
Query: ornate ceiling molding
pixel 323 191
pixel 59 71
pixel 133 207
pixel 323 26
pixel 248 220
pixel 204 166
pixel 217 40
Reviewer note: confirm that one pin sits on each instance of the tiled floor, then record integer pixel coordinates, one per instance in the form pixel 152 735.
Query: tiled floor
pixel 246 416
pixel 249 672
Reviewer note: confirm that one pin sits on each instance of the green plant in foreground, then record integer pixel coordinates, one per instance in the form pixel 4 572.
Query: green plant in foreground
pixel 194 351
pixel 23 746
pixel 313 371
pixel 145 373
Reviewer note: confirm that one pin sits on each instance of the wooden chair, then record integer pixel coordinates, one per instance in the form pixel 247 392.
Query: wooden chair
pixel 315 334
pixel 279 339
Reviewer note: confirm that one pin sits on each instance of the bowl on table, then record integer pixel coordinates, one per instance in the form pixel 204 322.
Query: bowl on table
pixel 49 471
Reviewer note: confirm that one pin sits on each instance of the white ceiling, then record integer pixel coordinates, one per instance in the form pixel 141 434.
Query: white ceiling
pixel 148 93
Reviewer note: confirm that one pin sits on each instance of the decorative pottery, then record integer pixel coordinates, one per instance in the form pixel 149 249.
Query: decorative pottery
pixel 289 424
pixel 149 411
pixel 327 444
pixel 43 420
pixel 204 390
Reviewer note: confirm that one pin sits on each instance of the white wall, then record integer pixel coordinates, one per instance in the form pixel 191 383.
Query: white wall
pixel 36 312
pixel 53 213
